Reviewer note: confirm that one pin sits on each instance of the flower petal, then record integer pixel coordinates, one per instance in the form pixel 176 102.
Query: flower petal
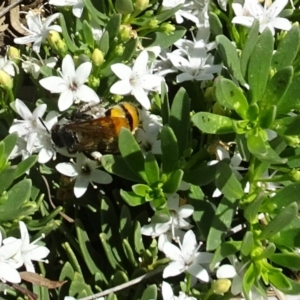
pixel 199 272
pixel 67 169
pixel 87 94
pixel 68 68
pixel 54 84
pixel 22 109
pixel 121 87
pixel 226 271
pixel 101 177
pixel 122 71
pixel 142 97
pixel 65 100
pixel 81 185
pixel 82 73
pixel 173 269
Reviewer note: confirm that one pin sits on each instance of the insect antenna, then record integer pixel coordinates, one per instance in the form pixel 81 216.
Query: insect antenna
pixel 43 123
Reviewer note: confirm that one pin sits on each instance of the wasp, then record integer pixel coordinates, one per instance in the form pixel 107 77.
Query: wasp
pixel 90 129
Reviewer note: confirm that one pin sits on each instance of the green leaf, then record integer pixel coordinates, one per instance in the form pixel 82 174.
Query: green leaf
pixel 71 46
pixel 131 198
pixel 162 39
pixel 294 288
pixel 117 165
pixel 277 87
pixel 213 124
pixel 248 280
pixel 125 222
pixel 129 50
pixel 251 41
pixel 251 211
pixel 113 27
pixel 224 250
pixel 124 6
pixel 287 49
pixel 291 99
pixel 280 221
pixel 88 34
pixel 221 223
pixel 79 288
pixel 288 260
pixel 230 57
pixel 227 183
pixel 129 252
pixel 151 168
pixel 85 247
pixel 131 152
pixel 216 26
pixel 150 293
pixel 287 126
pixel 104 42
pixel 247 244
pixel 141 189
pixel 119 278
pixel 231 96
pixel 256 144
pixel 289 236
pixel 3 159
pixel 180 119
pixel 167 14
pixel 108 251
pixel 138 240
pixel 169 148
pixel 7 177
pixel 285 196
pixel 10 142
pixel 95 13
pixel 173 182
pixel 279 280
pixel 259 65
pixel 25 165
pixel 267 116
pixel 203 210
pixel 202 175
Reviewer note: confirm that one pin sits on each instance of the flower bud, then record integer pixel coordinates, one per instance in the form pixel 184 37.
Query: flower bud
pixel 97 57
pixel 94 82
pixel 5 80
pixel 292 140
pixel 209 94
pixel 141 5
pixel 119 50
pixel 218 109
pixel 167 27
pixel 13 54
pixel 294 175
pixel 125 33
pixel 56 43
pixel 221 286
pixel 153 23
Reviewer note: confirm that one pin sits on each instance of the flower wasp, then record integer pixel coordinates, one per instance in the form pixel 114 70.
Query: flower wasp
pixel 88 132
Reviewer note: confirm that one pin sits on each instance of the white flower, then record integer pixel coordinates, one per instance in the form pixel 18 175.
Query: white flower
pixel 8 66
pixel 184 12
pixel 30 126
pixel 266 15
pixel 186 258
pixel 137 81
pixel 85 171
pixel 28 251
pixel 38 30
pixel 168 294
pixel 71 84
pixel 9 262
pixel 33 66
pixel 147 136
pixel 197 66
pixel 171 229
pixel 77 9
